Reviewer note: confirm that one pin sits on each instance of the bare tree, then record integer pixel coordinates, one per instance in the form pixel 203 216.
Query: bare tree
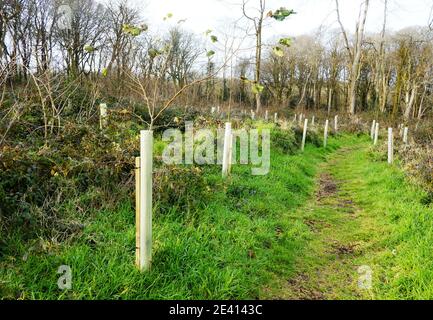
pixel 258 19
pixel 120 15
pixel 355 52
pixel 85 36
pixel 258 29
pixel 183 55
pixel 44 21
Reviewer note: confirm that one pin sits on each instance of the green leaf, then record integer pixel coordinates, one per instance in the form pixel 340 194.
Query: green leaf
pixel 213 39
pixel 133 30
pixel 210 53
pixel 257 88
pixel 278 52
pixel 282 13
pixel 153 53
pixel 287 42
pixel 104 72
pixel 126 28
pixel 168 16
pixel 89 48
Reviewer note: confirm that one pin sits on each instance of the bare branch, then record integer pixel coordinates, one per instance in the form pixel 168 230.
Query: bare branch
pixel 346 40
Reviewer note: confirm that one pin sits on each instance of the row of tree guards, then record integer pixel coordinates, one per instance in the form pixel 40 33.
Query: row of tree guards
pixel 144 168
pixel 313 119
pixel 374 134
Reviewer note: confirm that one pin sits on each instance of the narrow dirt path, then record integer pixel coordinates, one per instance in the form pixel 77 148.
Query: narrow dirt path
pixel 339 243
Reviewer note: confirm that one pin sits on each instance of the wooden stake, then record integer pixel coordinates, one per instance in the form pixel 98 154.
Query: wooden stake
pixel 266 115
pixel 275 117
pixel 146 168
pixel 390 146
pixel 312 120
pixel 336 124
pixel 304 135
pixel 137 212
pixel 226 152
pixel 325 134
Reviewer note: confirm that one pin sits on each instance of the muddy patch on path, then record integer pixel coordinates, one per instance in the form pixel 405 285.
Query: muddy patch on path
pixel 327 186
pixel 301 290
pixel 329 189
pixel 316 225
pixel 343 249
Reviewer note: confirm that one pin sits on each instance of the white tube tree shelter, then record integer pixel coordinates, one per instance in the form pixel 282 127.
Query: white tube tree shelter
pixel 376 133
pixel 227 149
pixel 390 146
pixel 304 134
pixel 373 126
pixel 325 134
pixel 103 115
pixel 405 135
pixel 144 169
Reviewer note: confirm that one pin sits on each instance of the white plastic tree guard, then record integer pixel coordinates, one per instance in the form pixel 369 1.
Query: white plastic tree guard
pixel 144 200
pixel 390 146
pixel 325 134
pixel 376 133
pixel 226 150
pixel 103 115
pixel 304 134
pixel 405 135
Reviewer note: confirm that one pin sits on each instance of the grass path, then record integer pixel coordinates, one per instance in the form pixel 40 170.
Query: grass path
pixel 362 216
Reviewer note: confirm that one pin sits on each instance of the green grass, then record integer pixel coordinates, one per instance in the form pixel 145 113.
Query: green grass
pixel 384 222
pixel 230 249
pixel 402 258
pixel 252 235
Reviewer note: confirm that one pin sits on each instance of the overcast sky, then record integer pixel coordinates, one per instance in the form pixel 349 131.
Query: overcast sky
pixel 202 15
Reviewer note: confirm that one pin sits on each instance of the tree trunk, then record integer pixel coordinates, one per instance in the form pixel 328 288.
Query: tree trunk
pixel 330 101
pixel 410 102
pixel 356 61
pixel 355 55
pixel 258 63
